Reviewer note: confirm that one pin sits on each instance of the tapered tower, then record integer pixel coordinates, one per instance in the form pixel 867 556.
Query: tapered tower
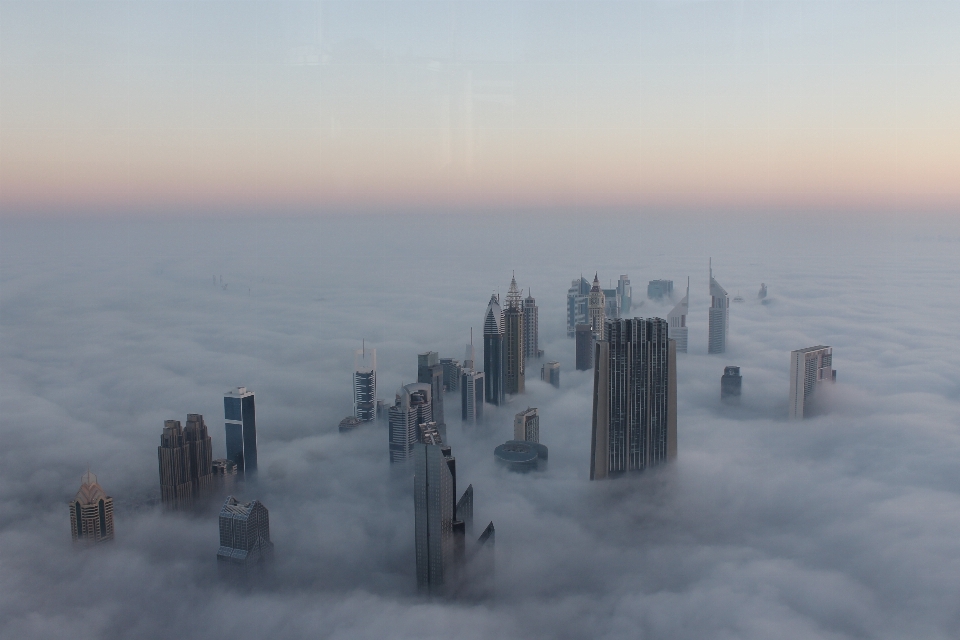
pixel 719 315
pixel 493 365
pixel 513 341
pixel 596 307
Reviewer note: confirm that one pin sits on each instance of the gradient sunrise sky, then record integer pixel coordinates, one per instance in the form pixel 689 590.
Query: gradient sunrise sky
pixel 133 106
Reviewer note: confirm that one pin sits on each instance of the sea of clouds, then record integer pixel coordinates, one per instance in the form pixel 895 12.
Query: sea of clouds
pixel 846 525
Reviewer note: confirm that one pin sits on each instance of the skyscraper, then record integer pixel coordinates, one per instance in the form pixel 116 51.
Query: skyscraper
pixel 365 384
pixel 440 529
pixel 471 396
pixel 430 371
pixel 451 374
pixel 634 398
pixel 493 364
pixel 719 316
pixel 173 454
pixel 730 384
pixel 808 369
pixel 678 321
pixel 413 407
pixel 597 308
pixel 526 425
pixel 240 415
pixel 531 329
pixel 513 349
pixel 91 512
pixel 585 342
pixel 550 372
pixel 469 354
pixel 199 451
pixel 659 289
pixel 626 295
pixel 577 299
pixel 244 532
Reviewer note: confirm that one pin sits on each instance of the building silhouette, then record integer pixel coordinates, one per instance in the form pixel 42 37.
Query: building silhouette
pixel 678 321
pixel 550 372
pixel 471 396
pixel 413 406
pixel 625 293
pixel 531 329
pixel 176 488
pixel 597 308
pixel 451 374
pixel 521 455
pixel 634 398
pixel 240 416
pixel 659 289
pixel 730 384
pixel 809 368
pixel 91 512
pixel 513 348
pixel 719 316
pixel 200 452
pixel 493 352
pixel 526 425
pixel 430 371
pixel 365 384
pixel 244 533
pixel 578 297
pixel 585 342
pixel 224 472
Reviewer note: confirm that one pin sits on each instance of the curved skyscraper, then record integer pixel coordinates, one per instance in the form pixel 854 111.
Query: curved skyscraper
pixel 493 352
pixel 719 316
pixel 678 321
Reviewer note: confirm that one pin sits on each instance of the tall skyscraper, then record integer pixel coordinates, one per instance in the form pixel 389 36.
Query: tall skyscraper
pixel 585 342
pixel 244 532
pixel 513 349
pixel 611 302
pixel 440 529
pixel 634 398
pixel 365 384
pixel 678 321
pixel 173 454
pixel 531 329
pixel 626 295
pixel 550 372
pixel 451 374
pixel 659 289
pixel 91 512
pixel 526 425
pixel 240 415
pixel 200 452
pixel 578 296
pixel 597 307
pixel 730 384
pixel 808 369
pixel 430 371
pixel 471 396
pixel 470 355
pixel 413 407
pixel 719 316
pixel 493 365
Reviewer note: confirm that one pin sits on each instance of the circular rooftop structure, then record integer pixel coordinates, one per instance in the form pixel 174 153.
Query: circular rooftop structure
pixel 517 455
pixel 349 423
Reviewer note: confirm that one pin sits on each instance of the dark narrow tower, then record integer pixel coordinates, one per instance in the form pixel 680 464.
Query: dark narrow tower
pixel 240 421
pixel 173 455
pixel 531 329
pixel 513 342
pixel 493 352
pixel 200 452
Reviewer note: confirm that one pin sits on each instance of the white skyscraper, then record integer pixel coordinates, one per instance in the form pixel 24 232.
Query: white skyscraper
pixel 365 384
pixel 808 368
pixel 597 308
pixel 719 316
pixel 678 321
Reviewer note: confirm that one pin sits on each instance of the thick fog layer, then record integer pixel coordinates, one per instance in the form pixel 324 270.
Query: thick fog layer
pixel 845 525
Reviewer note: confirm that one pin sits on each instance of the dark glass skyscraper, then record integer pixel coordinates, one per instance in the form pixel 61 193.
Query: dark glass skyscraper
pixel 430 371
pixel 513 348
pixel 200 451
pixel 634 398
pixel 174 457
pixel 240 416
pixel 585 342
pixel 730 384
pixel 493 352
pixel 531 329
pixel 365 384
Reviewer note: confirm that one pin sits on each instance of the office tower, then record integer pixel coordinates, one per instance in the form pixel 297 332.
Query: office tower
pixel 440 529
pixel 200 452
pixel 526 425
pixel 634 398
pixel 471 396
pixel 625 291
pixel 413 407
pixel 429 371
pixel 244 533
pixel 365 384
pixel 808 369
pixel 240 415
pixel 578 296
pixel 531 329
pixel 174 457
pixel 730 384
pixel 719 316
pixel 597 306
pixel 451 374
pixel 585 342
pixel 678 321
pixel 659 289
pixel 91 512
pixel 550 372
pixel 513 368
pixel 381 409
pixel 469 355
pixel 224 472
pixel 493 352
